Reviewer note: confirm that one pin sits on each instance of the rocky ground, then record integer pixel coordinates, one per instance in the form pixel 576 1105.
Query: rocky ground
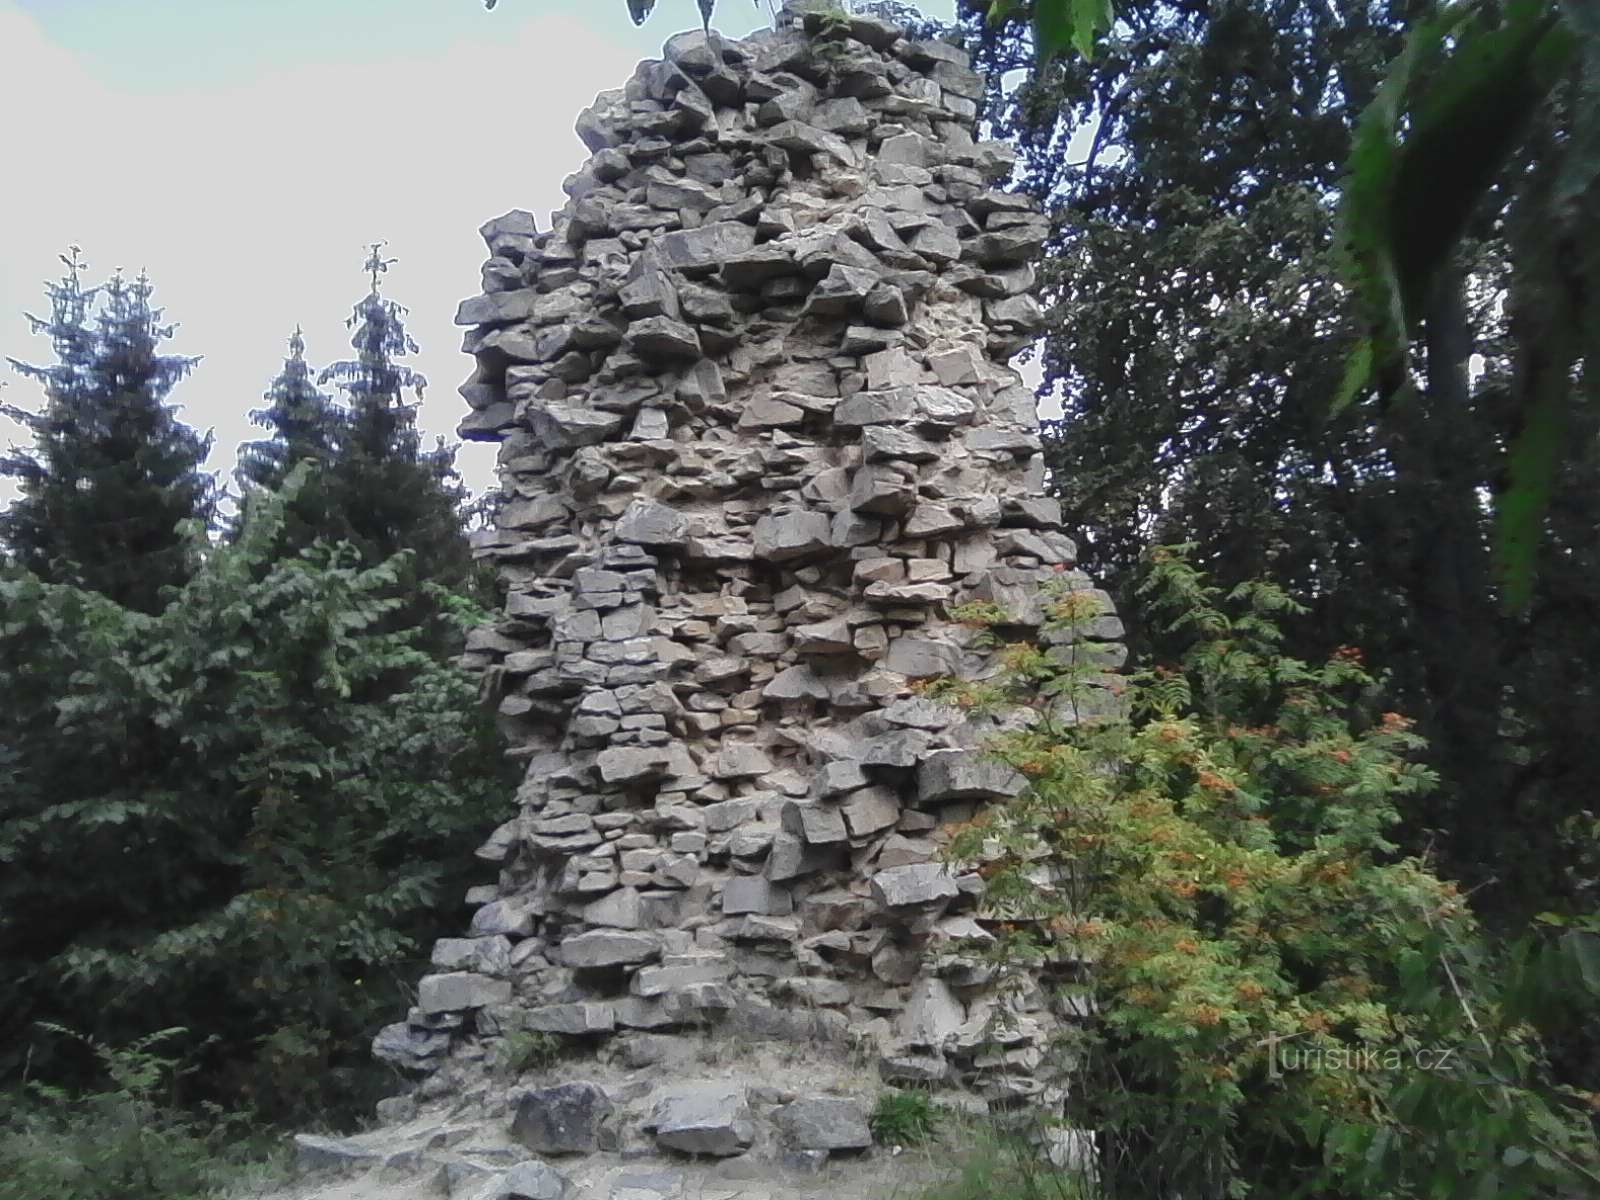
pixel 726 1122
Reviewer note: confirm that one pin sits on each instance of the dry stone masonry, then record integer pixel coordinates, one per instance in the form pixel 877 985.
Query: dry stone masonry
pixel 759 442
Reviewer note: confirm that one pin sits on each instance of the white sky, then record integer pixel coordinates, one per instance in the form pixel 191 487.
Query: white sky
pixel 249 183
pixel 245 153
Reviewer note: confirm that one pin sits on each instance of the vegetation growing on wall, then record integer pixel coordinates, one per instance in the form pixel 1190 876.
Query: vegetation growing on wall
pixel 1276 993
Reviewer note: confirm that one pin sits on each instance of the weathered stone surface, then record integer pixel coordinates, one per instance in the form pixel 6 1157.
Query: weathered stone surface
pixel 535 1180
pixel 785 536
pixel 663 338
pixel 759 442
pixel 571 1018
pixel 460 990
pixel 608 948
pixel 647 523
pixel 709 1119
pixel 407 1048
pixel 314 1153
pixel 573 1118
pixel 918 883
pixel 946 775
pixel 753 894
pixel 824 1123
pixel 706 248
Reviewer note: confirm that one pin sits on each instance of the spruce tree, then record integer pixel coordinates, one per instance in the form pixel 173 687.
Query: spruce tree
pixel 303 421
pixel 387 491
pixel 113 472
pixel 306 426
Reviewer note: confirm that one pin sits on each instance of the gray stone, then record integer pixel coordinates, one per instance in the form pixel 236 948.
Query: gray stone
pixel 843 289
pixel 710 1119
pixel 886 443
pixel 706 248
pixel 921 657
pixel 814 823
pixel 573 1118
pixel 482 955
pixel 795 683
pixel 870 811
pixel 647 523
pixel 607 948
pixel 753 894
pixel 932 1015
pixel 459 990
pixel 882 490
pixel 739 760
pixel 824 1123
pixel 888 407
pixel 938 244
pixel 629 764
pixel 663 338
pixel 749 269
pixel 535 1180
pixel 795 534
pixel 572 1019
pixel 620 909
pixel 407 1048
pixel 947 775
pixel 800 138
pixel 566 426
pixel 915 884
pixel 314 1153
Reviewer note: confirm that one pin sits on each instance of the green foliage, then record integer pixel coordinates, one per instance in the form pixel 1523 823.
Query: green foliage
pixel 382 492
pixel 996 1164
pixel 242 813
pixel 1199 326
pixel 302 421
pixel 120 1141
pixel 903 1118
pixel 522 1050
pixel 113 471
pixel 1279 994
pixel 1443 127
pixel 1059 26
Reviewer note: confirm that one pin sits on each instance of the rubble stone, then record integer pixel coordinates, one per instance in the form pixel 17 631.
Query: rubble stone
pixel 759 441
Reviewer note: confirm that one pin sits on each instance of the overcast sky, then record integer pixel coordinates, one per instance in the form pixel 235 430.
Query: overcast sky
pixel 245 151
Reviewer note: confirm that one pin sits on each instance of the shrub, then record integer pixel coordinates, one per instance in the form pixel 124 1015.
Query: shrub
pixel 902 1118
pixel 243 814
pixel 528 1050
pixel 120 1141
pixel 1204 859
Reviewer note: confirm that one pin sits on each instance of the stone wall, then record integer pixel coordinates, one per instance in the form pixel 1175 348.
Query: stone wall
pixel 759 439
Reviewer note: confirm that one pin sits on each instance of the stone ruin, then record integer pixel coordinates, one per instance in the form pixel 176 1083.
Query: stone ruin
pixel 759 442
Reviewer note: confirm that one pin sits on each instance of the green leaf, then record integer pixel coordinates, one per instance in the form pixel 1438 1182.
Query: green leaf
pixel 1476 104
pixel 1464 91
pixel 1053 28
pixel 640 9
pixel 707 7
pixel 1001 11
pixel 1535 455
pixel 1090 18
pixel 1584 949
pixel 1062 25
pixel 1357 374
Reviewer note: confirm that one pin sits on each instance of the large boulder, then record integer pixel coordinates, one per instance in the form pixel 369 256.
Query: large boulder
pixel 573 1118
pixel 713 1119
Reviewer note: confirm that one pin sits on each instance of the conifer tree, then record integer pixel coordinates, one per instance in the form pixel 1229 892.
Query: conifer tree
pixel 303 421
pixel 113 472
pixel 390 493
pixel 305 426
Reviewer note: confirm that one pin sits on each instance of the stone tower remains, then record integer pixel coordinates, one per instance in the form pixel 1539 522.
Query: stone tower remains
pixel 759 443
